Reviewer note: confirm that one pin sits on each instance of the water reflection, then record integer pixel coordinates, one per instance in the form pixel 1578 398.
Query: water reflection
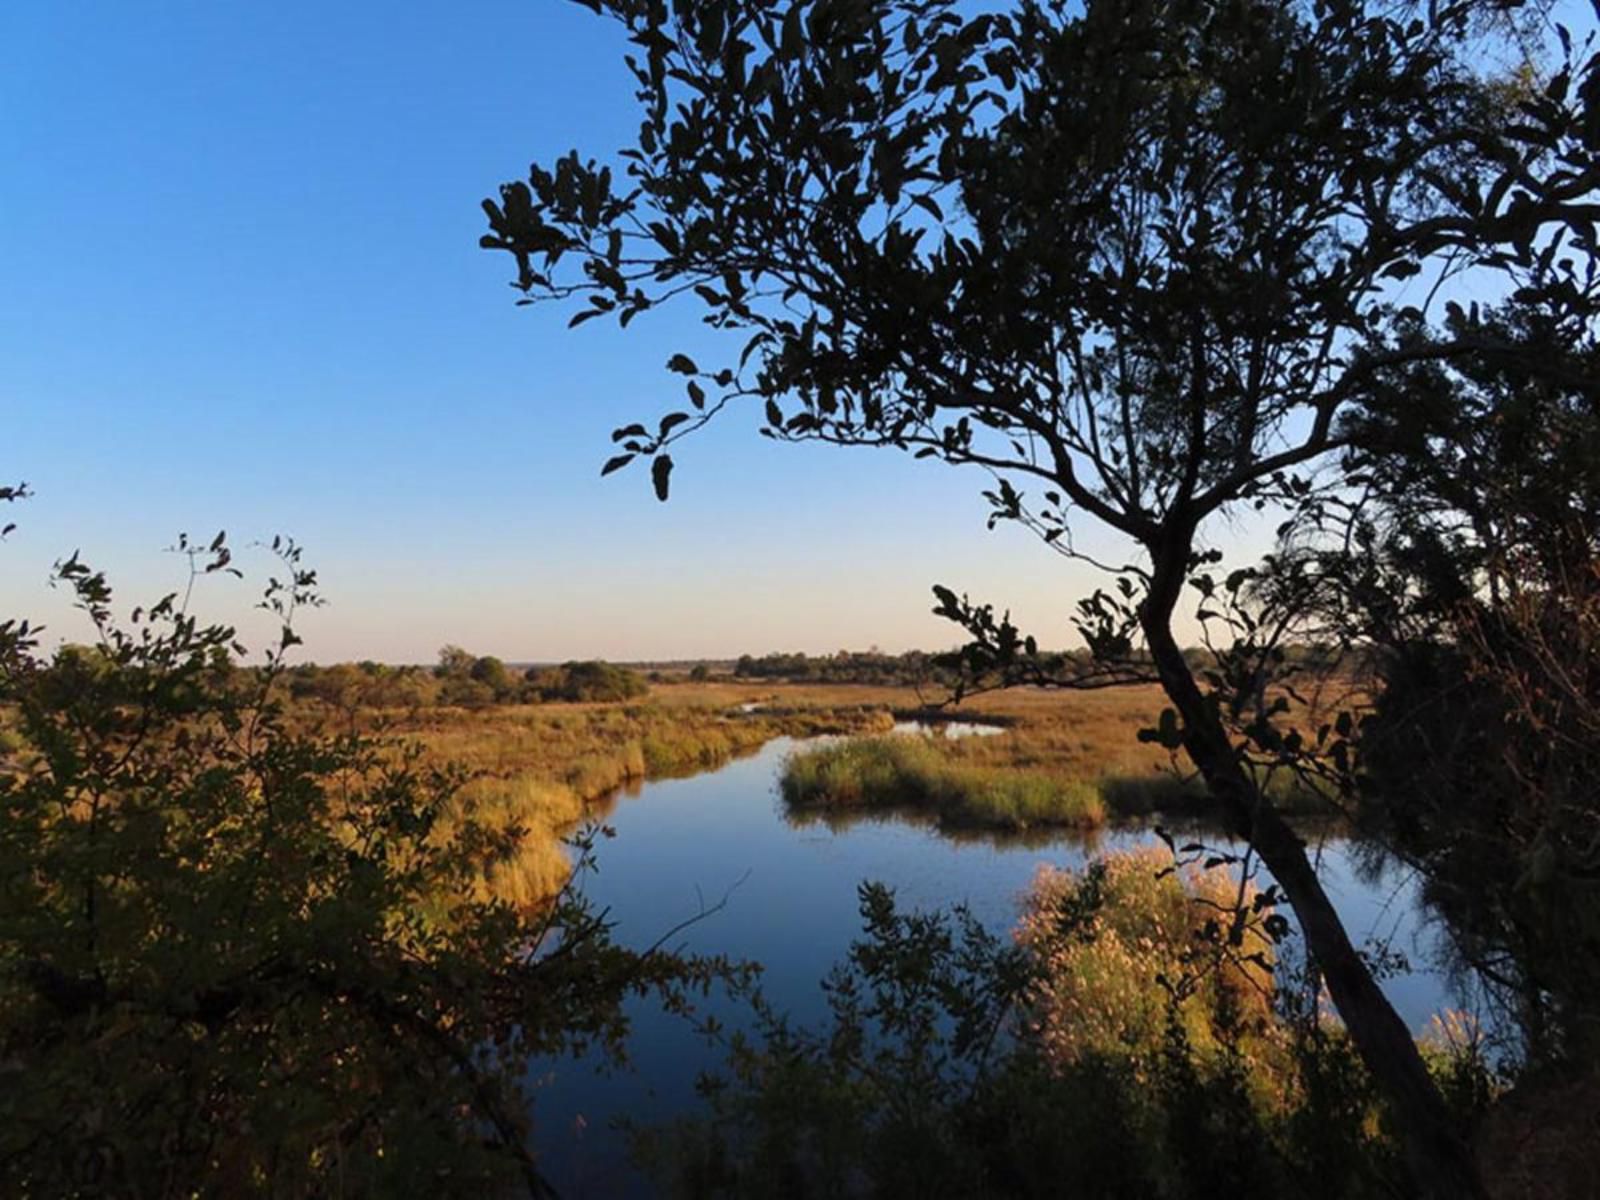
pixel 839 821
pixel 682 844
pixel 940 727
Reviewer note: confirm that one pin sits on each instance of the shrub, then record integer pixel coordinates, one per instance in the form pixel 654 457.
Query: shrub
pixel 243 955
pixel 1122 948
pixel 592 681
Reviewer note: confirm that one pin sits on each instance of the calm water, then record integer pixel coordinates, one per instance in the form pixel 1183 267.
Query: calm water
pixel 682 845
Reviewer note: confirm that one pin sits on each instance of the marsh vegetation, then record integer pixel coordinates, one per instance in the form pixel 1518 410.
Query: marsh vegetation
pixel 1282 317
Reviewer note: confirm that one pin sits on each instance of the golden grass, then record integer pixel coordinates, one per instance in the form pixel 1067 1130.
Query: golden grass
pixel 1067 757
pixel 541 769
pixel 913 773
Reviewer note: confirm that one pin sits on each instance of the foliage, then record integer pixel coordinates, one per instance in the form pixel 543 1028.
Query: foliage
pixel 1474 568
pixel 914 668
pixel 917 1012
pixel 589 681
pixel 454 662
pixel 492 673
pixel 1122 952
pixel 462 680
pixel 1137 257
pixel 952 1066
pixel 243 954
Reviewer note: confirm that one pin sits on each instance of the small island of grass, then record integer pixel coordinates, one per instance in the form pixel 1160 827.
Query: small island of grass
pixel 908 772
pixel 934 778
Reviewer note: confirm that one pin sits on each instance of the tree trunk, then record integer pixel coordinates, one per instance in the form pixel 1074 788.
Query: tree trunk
pixel 1440 1161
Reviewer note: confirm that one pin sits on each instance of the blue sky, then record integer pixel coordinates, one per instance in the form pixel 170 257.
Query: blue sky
pixel 243 291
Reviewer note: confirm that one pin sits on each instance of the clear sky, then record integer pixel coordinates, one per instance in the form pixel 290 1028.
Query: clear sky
pixel 242 290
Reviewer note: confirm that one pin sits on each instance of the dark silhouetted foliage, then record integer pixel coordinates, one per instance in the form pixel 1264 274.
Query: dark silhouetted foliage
pixel 1135 260
pixel 239 953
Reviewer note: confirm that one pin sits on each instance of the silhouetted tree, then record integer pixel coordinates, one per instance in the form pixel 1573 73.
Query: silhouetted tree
pixel 1473 566
pixel 1140 258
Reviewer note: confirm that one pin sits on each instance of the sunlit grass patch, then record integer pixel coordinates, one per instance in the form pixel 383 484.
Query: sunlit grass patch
pixel 538 771
pixel 904 772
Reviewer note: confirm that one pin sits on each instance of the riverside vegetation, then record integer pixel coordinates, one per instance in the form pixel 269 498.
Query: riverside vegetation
pixel 1059 761
pixel 538 770
pixel 244 951
pixel 1130 1040
pixel 1126 1014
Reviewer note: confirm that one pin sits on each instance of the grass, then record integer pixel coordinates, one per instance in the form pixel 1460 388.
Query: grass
pixel 540 770
pixel 1056 764
pixel 1063 760
pixel 910 772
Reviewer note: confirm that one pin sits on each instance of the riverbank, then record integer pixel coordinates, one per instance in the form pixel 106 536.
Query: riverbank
pixel 1055 759
pixel 541 770
pixel 1036 773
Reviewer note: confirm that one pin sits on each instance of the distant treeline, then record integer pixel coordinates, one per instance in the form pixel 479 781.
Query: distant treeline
pixel 462 679
pixel 868 666
pixel 466 680
pixel 920 667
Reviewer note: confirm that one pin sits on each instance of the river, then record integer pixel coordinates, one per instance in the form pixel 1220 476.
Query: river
pixel 790 903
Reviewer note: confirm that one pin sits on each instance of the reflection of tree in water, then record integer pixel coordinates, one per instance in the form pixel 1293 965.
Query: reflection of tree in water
pixel 843 820
pixel 1187 827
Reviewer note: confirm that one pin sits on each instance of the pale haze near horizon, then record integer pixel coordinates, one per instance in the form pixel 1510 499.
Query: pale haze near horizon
pixel 245 293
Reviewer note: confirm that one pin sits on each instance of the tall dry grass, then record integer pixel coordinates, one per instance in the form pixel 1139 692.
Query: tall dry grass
pixel 1064 759
pixel 1067 758
pixel 903 771
pixel 537 771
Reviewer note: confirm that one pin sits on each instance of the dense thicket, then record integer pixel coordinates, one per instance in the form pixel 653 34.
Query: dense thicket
pixel 1477 578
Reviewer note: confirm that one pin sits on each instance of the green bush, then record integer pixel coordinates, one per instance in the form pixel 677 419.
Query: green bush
pixel 593 681
pixel 242 955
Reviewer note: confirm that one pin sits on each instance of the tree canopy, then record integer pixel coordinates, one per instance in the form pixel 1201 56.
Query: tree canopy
pixel 1143 261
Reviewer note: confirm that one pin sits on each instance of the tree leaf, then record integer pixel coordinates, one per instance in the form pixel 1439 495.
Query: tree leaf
pixel 660 472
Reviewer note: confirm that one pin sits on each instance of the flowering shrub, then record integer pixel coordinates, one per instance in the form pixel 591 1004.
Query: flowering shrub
pixel 1129 944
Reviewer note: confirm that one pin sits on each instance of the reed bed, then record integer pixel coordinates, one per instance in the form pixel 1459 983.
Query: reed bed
pixel 1067 760
pixel 1064 759
pixel 902 771
pixel 538 771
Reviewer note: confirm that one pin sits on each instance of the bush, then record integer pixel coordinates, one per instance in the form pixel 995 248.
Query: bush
pixel 960 1066
pixel 243 955
pixel 594 681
